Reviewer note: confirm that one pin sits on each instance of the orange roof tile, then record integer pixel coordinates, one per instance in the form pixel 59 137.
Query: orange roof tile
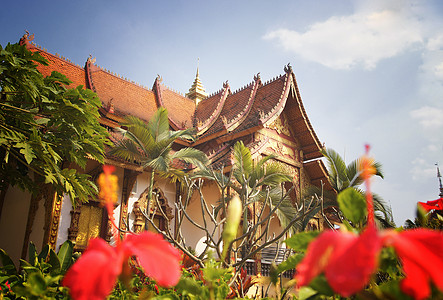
pixel 75 73
pixel 127 98
pixel 208 110
pixel 180 108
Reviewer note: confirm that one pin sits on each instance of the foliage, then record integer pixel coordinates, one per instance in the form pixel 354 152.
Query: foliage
pixel 342 176
pixel 44 127
pixel 432 220
pixel 40 277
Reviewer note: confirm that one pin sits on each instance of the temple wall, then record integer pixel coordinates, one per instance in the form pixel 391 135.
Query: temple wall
pixel 13 223
pixel 195 237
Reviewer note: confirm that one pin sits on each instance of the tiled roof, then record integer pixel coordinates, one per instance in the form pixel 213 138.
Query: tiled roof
pixel 267 98
pixel 180 109
pixel 207 113
pixel 318 174
pixel 234 105
pixel 126 97
pixel 75 73
pixel 221 118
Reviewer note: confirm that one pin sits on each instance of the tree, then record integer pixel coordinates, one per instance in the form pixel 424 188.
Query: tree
pixel 255 179
pixel 150 146
pixel 342 176
pixel 254 182
pixel 45 129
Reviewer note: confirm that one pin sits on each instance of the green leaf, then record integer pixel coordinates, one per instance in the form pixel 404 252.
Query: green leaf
pixel 306 292
pixel 391 290
pixel 44 253
pixel 290 263
pixel 353 205
pixel 300 241
pixel 321 285
pixel 8 264
pixel 27 151
pixel 189 286
pixel 65 255
pixel 36 282
pixel 54 262
pixel 32 255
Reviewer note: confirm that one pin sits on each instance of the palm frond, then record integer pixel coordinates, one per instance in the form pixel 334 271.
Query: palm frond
pixel 383 210
pixel 285 212
pixel 144 142
pixel 187 134
pixel 243 163
pixel 128 150
pixel 191 156
pixel 336 169
pixel 353 172
pixel 173 175
pixel 159 123
pixel 159 164
pixel 259 170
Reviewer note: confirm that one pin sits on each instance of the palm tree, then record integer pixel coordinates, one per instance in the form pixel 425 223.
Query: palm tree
pixel 150 146
pixel 342 176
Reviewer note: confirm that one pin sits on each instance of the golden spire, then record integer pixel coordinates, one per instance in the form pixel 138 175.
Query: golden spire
pixel 197 91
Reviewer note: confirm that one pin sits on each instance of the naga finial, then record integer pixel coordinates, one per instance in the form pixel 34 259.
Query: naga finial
pixel 288 68
pixel 257 77
pixel 26 38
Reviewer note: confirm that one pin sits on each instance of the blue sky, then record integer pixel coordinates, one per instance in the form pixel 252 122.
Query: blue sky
pixel 368 71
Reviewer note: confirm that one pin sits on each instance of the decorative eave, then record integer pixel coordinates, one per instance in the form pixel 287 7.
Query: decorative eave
pixel 88 66
pixel 157 88
pixel 237 120
pixel 318 173
pixel 278 108
pixel 216 113
pixel 235 135
pixel 311 148
pixel 216 154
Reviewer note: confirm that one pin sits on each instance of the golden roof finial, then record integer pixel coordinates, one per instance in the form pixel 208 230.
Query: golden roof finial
pixel 197 91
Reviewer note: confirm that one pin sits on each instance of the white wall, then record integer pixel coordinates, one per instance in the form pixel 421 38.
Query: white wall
pixel 13 222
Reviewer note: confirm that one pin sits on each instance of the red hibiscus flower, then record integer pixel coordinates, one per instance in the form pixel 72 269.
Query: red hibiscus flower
pixel 95 273
pixel 348 260
pixel 434 204
pixel 420 253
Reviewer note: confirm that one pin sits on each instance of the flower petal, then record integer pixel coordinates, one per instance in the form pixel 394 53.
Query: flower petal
pixel 95 273
pixel 320 251
pixel 416 282
pixel 420 249
pixel 159 259
pixel 350 271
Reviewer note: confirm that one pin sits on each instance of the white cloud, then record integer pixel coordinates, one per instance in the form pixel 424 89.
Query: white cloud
pixel 363 38
pixel 435 43
pixel 428 117
pixel 422 170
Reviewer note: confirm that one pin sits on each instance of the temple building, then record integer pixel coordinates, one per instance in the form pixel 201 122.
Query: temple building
pixel 267 116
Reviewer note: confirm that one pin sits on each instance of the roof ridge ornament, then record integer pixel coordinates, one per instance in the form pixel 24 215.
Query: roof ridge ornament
pixel 91 60
pixel 26 38
pixel 257 77
pixel 197 91
pixel 288 68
